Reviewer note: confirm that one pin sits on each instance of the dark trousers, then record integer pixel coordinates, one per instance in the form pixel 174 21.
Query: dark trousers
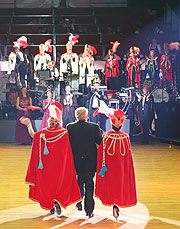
pixel 99 119
pixel 145 123
pixel 67 119
pixel 86 186
pixel 22 72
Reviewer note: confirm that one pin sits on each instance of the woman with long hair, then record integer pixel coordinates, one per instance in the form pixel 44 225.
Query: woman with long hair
pixel 23 100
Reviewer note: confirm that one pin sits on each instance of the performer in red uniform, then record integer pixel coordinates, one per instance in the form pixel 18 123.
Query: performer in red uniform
pixel 115 180
pixel 112 65
pixel 51 173
pixel 133 68
pixel 166 65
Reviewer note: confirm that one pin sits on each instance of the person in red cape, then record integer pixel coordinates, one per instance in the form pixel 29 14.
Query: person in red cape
pixel 115 180
pixel 51 173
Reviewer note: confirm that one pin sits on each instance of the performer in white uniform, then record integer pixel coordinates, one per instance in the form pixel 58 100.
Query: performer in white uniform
pixel 69 63
pixel 20 63
pixel 11 62
pixel 86 63
pixel 42 58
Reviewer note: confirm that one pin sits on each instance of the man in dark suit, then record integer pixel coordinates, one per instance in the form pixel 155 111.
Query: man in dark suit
pixel 69 103
pixel 85 138
pixel 145 108
pixel 95 99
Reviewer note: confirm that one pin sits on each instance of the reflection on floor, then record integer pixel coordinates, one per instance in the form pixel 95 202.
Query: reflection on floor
pixel 157 169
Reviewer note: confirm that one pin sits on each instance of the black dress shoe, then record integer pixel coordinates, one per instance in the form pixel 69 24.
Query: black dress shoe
pixel 79 206
pixel 58 208
pixel 52 211
pixel 90 215
pixel 115 211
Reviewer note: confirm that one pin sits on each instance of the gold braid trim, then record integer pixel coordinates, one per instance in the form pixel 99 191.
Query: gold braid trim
pixel 63 129
pixel 116 137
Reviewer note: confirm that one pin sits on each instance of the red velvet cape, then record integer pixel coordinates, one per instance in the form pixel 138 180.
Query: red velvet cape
pixel 57 180
pixel 118 186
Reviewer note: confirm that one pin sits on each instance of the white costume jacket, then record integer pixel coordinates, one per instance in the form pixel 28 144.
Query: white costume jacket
pixel 86 62
pixel 40 61
pixel 72 58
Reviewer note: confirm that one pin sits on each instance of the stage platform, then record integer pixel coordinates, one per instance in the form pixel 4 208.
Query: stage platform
pixel 158 188
pixel 8 129
pixel 171 141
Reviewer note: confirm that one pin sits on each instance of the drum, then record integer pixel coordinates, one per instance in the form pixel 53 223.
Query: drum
pixel 125 97
pixel 160 96
pixel 43 83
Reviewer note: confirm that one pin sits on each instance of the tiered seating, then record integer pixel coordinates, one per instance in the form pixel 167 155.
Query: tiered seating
pixel 31 29
pixel 90 23
pixel 33 11
pixel 73 11
pixel 32 19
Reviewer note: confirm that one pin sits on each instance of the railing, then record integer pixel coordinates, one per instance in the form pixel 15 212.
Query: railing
pixel 28 4
pixel 98 3
pixel 53 14
pixel 57 3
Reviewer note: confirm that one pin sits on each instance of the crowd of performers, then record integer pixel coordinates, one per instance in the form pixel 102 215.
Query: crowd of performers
pixel 63 163
pixel 77 73
pixel 77 69
pixel 72 68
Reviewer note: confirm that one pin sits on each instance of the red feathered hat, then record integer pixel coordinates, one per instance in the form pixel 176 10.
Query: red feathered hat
pixel 55 111
pixel 115 46
pixel 73 39
pixel 58 105
pixel 117 118
pixel 93 50
pixel 21 42
pixel 47 45
pixel 174 45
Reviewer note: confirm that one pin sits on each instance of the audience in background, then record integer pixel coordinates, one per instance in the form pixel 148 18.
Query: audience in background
pixel 69 26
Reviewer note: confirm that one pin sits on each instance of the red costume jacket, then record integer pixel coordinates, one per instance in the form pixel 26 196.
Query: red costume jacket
pixel 118 186
pixel 111 69
pixel 133 63
pixel 166 67
pixel 56 179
